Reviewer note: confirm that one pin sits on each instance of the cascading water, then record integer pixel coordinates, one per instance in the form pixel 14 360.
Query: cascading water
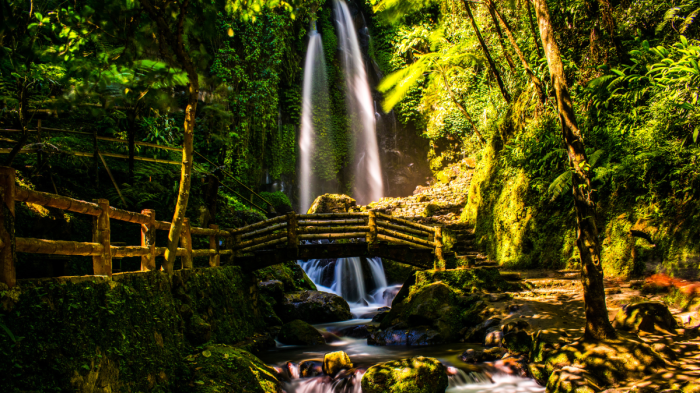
pixel 315 114
pixel 368 181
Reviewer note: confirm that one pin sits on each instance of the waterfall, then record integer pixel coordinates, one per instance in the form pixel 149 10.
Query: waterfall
pixel 368 183
pixel 315 115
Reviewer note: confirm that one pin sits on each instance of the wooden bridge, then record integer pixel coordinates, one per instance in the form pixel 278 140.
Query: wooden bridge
pixel 280 239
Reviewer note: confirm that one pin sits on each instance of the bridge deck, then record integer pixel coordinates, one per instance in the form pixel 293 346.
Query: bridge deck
pixel 421 258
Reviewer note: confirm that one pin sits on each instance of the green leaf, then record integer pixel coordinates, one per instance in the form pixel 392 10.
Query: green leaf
pixel 206 354
pixel 696 134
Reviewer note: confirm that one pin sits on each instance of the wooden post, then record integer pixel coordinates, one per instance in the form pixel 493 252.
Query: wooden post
pixel 237 240
pixel 102 264
pixel 39 158
pixel 372 234
pixel 292 236
pixel 96 158
pixel 186 243
pixel 439 257
pixel 8 275
pixel 214 260
pixel 148 239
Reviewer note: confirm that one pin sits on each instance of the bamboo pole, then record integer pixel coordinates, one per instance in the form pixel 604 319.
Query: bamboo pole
pixel 214 260
pixel 372 232
pixel 114 182
pixel 409 238
pixel 402 242
pixel 101 138
pixel 259 240
pixel 148 239
pixel 292 231
pixel 8 274
pixel 102 264
pixel 186 243
pixel 440 258
pixel 355 228
pixel 209 232
pixel 402 228
pixel 425 228
pixel 331 216
pixel 260 224
pixel 330 236
pixel 130 251
pixel 263 245
pixel 331 222
pixel 160 251
pixel 265 230
pixel 58 247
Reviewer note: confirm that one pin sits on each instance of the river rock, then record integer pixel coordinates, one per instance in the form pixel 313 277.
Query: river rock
pixel 544 342
pixel 414 375
pixel 477 334
pixel 310 368
pixel 314 307
pixel 572 380
pixel 494 337
pixel 336 361
pixel 518 341
pixel 471 356
pixel 645 316
pixel 403 335
pixel 361 331
pixel 515 326
pixel 220 366
pixel 299 332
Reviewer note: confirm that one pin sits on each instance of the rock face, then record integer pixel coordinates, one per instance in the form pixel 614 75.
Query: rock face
pixel 220 368
pixel 299 332
pixel 401 335
pixel 332 203
pixel 414 375
pixel 477 334
pixel 645 316
pixel 314 307
pixel 336 361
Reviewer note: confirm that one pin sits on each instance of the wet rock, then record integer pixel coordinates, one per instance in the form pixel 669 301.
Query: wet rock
pixel 645 316
pixel 518 341
pixel 494 337
pixel 515 326
pixel 511 365
pixel 471 356
pixel 491 354
pixel 219 368
pixel 422 335
pixel 380 316
pixel 310 368
pixel 272 288
pixel 314 307
pixel 299 332
pixel 544 342
pixel 354 332
pixel 199 331
pixel 336 361
pixel 332 203
pixel 477 334
pixel 415 375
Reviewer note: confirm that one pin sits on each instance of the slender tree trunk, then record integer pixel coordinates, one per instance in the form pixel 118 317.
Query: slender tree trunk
pixel 598 325
pixel 131 134
pixel 462 109
pixel 611 26
pixel 487 54
pixel 501 40
pixel 22 115
pixel 535 80
pixel 176 43
pixel 533 28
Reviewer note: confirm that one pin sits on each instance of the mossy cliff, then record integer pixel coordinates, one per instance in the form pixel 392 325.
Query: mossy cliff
pixel 519 224
pixel 129 334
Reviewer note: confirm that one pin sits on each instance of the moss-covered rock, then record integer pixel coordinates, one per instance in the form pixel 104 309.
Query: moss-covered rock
pixel 465 280
pixel 645 316
pixel 336 361
pixel 412 375
pixel 129 333
pixel 314 307
pixel 221 368
pixel 332 203
pixel 299 332
pixel 290 274
pixel 517 342
pixel 572 380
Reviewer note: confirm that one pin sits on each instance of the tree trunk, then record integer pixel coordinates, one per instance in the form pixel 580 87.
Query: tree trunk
pixel 535 80
pixel 533 28
pixel 611 26
pixel 131 123
pixel 487 54
pixel 461 108
pixel 598 325
pixel 176 43
pixel 22 115
pixel 501 40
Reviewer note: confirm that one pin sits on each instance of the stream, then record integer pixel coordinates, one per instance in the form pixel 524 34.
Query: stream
pixel 367 292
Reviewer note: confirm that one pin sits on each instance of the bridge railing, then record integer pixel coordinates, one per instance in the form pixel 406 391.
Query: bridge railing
pixel 288 231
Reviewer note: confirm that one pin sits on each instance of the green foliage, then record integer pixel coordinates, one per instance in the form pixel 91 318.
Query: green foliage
pixel 278 200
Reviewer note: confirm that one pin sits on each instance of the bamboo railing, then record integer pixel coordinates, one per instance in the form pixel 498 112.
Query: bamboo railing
pixel 288 232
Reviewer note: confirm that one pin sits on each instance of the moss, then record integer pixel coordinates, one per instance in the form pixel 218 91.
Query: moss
pixel 413 375
pixel 464 280
pixel 299 332
pixel 222 368
pixel 396 272
pixel 129 334
pixel 289 273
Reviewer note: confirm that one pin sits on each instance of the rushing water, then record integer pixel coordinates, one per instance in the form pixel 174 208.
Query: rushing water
pixel 315 115
pixel 368 183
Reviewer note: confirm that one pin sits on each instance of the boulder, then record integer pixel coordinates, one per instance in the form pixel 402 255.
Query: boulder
pixel 299 332
pixel 491 354
pixel 494 337
pixel 515 326
pixel 220 368
pixel 314 307
pixel 361 331
pixel 645 316
pixel 414 375
pixel 477 334
pixel 332 203
pixel 572 380
pixel 544 342
pixel 336 361
pixel 518 341
pixel 310 368
pixel 471 356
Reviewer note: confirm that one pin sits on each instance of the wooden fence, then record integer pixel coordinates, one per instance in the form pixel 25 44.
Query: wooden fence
pixel 287 232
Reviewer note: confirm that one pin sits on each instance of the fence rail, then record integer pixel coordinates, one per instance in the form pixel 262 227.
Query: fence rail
pixel 283 233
